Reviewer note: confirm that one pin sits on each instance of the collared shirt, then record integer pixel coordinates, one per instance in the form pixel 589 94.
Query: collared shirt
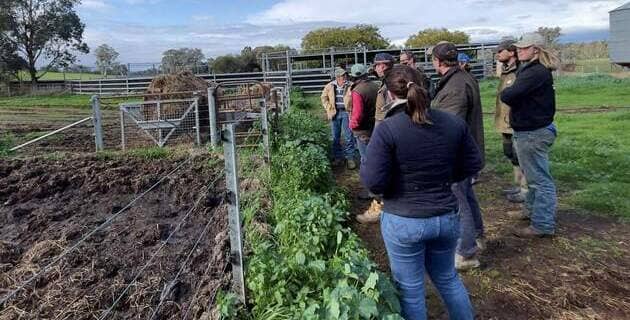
pixel 339 92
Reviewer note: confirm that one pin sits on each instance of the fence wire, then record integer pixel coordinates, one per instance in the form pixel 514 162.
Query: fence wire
pixel 48 266
pixel 159 249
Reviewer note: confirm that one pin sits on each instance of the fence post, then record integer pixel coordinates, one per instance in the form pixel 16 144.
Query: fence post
pixel 364 56
pixel 123 145
pixel 483 52
pixel 289 70
pixel 212 116
pixel 100 87
pixel 234 214
pixel 197 129
pixel 96 120
pixel 264 121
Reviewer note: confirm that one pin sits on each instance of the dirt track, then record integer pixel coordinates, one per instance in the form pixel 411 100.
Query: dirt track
pixel 47 205
pixel 582 273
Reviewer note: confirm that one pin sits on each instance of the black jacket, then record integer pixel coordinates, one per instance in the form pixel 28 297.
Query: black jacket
pixel 413 166
pixel 532 98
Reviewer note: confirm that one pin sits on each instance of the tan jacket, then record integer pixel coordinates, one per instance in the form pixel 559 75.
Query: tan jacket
pixel 328 99
pixel 383 104
pixel 502 112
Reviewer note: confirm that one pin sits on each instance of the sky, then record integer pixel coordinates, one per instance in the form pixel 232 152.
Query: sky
pixel 140 30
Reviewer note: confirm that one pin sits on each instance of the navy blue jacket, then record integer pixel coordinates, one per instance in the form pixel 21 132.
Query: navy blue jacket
pixel 413 166
pixel 532 98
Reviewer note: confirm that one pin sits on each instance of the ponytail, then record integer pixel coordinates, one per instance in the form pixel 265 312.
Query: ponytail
pixel 406 83
pixel 548 59
pixel 417 104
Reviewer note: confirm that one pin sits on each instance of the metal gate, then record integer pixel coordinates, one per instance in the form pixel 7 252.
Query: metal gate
pixel 161 120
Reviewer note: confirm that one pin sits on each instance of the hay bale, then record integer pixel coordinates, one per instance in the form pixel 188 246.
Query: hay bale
pixel 178 82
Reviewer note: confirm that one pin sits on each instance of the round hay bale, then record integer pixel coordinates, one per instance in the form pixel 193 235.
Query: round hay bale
pixel 179 82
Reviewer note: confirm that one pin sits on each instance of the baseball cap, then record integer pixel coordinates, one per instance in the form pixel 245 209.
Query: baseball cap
pixel 462 57
pixel 339 72
pixel 384 58
pixel 445 51
pixel 358 70
pixel 530 39
pixel 506 45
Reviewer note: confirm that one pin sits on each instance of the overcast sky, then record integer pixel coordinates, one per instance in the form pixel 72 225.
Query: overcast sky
pixel 140 30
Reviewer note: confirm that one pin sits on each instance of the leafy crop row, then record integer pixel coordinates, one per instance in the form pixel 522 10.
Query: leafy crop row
pixel 302 262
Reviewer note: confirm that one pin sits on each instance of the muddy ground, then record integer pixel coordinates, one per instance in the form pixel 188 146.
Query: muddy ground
pixel 582 273
pixel 48 203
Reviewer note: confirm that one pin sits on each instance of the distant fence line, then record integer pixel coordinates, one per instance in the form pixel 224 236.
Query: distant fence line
pixel 308 71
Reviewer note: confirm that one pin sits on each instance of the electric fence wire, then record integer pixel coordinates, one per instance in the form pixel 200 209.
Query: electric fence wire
pixel 89 234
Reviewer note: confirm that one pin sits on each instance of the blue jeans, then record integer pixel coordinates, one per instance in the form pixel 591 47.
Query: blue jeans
pixel 339 126
pixel 470 215
pixel 532 149
pixel 416 245
pixel 362 143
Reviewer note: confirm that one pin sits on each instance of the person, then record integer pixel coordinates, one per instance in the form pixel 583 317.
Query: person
pixel 364 92
pixel 532 109
pixel 457 92
pixel 336 100
pixel 408 58
pixel 414 156
pixel 464 61
pixel 506 55
pixel 383 62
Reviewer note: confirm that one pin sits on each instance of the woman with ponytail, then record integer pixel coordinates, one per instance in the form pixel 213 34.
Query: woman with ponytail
pixel 413 157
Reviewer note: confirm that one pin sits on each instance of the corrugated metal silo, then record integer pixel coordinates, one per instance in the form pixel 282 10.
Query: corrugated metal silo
pixel 619 41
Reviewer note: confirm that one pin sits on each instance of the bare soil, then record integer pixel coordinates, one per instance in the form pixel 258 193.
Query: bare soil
pixel 47 205
pixel 581 273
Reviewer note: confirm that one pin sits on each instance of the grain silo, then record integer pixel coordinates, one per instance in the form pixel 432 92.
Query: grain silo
pixel 619 41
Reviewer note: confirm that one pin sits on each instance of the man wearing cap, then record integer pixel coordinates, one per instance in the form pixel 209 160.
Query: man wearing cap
pixel 336 99
pixel 364 92
pixel 457 92
pixel 506 55
pixel 532 101
pixel 408 58
pixel 383 62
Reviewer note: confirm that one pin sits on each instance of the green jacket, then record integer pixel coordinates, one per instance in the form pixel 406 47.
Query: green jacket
pixel 458 93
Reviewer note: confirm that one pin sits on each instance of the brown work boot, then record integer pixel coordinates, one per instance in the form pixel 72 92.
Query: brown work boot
pixel 372 214
pixel 530 233
pixel 463 264
pixel 517 215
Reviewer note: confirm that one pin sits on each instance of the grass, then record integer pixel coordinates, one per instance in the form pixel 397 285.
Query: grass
pixel 25 76
pixel 57 101
pixel 576 91
pixel 590 160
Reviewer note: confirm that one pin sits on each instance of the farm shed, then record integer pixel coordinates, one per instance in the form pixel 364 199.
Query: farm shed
pixel 619 42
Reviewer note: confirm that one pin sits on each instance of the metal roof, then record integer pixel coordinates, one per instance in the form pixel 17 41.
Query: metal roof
pixel 624 7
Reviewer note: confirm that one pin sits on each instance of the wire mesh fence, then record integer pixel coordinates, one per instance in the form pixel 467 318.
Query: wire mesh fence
pixel 155 254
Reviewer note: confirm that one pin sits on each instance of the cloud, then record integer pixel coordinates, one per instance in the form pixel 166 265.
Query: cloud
pixel 287 21
pixel 94 5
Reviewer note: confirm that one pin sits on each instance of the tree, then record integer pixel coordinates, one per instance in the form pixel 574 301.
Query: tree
pixel 362 35
pixel 228 64
pixel 105 59
pixel 551 35
pixel 249 60
pixel 174 60
pixel 48 30
pixel 430 37
pixel 10 62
